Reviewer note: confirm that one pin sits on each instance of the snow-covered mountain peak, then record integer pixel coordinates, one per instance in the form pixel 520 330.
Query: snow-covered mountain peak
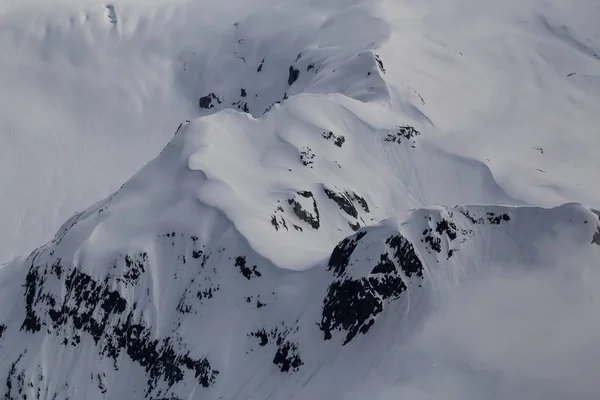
pixel 317 227
pixel 276 52
pixel 299 179
pixel 303 176
pixel 172 302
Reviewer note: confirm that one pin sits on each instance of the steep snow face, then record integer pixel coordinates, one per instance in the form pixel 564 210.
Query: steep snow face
pixel 310 172
pixel 514 85
pixel 154 294
pixel 166 289
pixel 90 91
pixel 278 52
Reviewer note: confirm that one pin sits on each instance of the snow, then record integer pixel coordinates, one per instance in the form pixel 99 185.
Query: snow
pixel 496 79
pixel 354 199
pixel 89 101
pixel 254 166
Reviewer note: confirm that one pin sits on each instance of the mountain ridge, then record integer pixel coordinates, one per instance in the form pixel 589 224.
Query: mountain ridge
pixel 302 234
pixel 372 270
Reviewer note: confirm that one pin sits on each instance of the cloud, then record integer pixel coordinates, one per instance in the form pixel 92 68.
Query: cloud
pixel 514 332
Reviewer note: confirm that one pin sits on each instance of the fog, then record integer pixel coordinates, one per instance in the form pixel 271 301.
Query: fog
pixel 512 332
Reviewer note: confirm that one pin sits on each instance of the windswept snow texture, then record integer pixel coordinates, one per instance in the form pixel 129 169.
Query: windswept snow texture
pixel 90 92
pixel 174 302
pixel 507 92
pixel 362 199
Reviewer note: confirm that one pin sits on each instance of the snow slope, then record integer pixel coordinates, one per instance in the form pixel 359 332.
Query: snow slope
pixel 156 282
pixel 161 291
pixel 87 101
pixel 512 84
pixel 360 189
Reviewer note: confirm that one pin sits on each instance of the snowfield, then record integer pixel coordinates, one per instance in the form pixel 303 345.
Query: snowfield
pixel 355 199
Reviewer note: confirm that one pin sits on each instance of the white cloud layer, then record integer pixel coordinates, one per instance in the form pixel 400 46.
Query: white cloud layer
pixel 531 333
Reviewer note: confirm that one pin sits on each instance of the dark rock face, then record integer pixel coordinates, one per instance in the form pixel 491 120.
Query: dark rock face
pixel 379 63
pixel 201 288
pixel 32 322
pixel 340 257
pixel 405 256
pixel 311 218
pixel 345 200
pixel 242 105
pixel 385 279
pixel 447 227
pixel 134 267
pixel 262 336
pixel 196 254
pixel 271 107
pixel 434 242
pixel 443 228
pixel 206 102
pixel 248 272
pixel 274 222
pixel 294 74
pixel 15 381
pixel 490 218
pixel 361 201
pixel 352 304
pixel 259 304
pixel 433 238
pixel 287 355
pixel 494 219
pixel 596 238
pixel 159 357
pixel 207 293
pixel 279 222
pixel 307 157
pixel 446 231
pixel 338 140
pixel 83 305
pixel 403 133
pixel 342 201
